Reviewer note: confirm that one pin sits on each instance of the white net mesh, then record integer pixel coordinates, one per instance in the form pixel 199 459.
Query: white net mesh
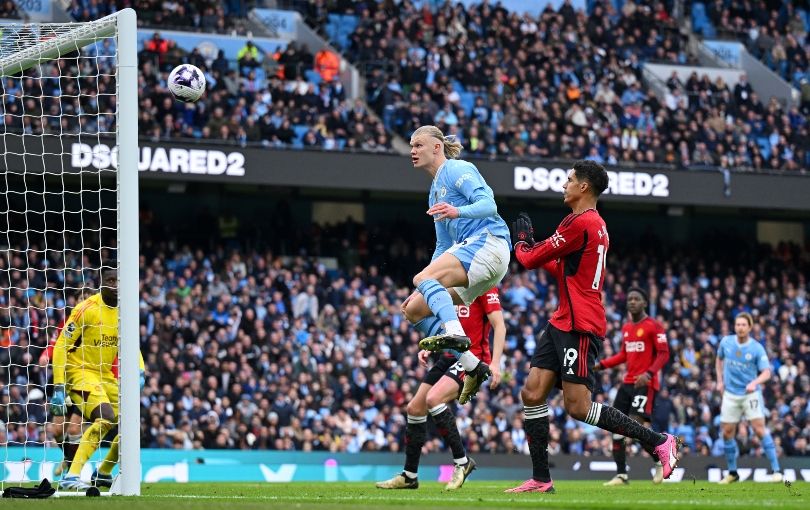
pixel 58 219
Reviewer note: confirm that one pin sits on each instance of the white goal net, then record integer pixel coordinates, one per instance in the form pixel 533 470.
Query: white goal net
pixel 65 224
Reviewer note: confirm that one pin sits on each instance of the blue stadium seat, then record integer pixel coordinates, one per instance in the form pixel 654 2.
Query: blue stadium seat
pixel 467 102
pixel 687 432
pixel 458 87
pixel 313 76
pixel 333 26
pixel 261 75
pixel 349 21
pixel 300 130
pixel 805 16
pixel 700 21
pixel 764 146
pixel 342 36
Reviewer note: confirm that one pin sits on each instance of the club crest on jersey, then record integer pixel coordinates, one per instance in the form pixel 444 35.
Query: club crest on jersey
pixel 748 357
pixel 442 192
pixel 557 239
pixel 640 332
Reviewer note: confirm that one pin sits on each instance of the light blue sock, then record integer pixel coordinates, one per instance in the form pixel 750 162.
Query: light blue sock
pixel 770 451
pixel 730 446
pixel 429 326
pixel 439 300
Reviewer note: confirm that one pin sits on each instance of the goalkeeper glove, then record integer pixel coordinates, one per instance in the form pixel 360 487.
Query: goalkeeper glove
pixel 57 406
pixel 522 229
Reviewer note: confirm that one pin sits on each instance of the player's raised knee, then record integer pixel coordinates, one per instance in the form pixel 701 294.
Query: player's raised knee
pixel 531 396
pixel 419 278
pixel 417 408
pixel 434 400
pixel 577 408
pixel 104 425
pixel 410 312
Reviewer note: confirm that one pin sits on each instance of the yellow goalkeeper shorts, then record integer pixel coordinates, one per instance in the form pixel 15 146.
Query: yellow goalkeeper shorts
pixel 88 395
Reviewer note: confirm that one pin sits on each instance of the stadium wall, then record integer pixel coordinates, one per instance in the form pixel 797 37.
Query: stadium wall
pixel 228 164
pixel 277 466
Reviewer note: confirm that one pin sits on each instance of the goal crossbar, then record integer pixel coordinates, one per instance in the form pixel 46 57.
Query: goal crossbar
pixel 79 36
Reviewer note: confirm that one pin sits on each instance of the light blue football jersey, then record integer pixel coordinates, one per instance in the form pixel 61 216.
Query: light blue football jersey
pixel 457 183
pixel 742 362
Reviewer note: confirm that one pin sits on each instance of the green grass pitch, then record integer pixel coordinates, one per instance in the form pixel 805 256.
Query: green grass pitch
pixel 475 495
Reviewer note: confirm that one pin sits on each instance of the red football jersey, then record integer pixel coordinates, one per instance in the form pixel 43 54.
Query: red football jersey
pixel 47 354
pixel 576 255
pixel 474 320
pixel 644 349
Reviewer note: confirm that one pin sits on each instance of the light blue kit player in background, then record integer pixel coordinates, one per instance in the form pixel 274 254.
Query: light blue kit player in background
pixel 742 366
pixel 472 251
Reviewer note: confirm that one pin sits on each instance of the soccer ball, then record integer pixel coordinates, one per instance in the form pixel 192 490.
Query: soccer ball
pixel 187 83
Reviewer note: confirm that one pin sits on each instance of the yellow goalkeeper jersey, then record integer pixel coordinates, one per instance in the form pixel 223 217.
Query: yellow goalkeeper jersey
pixel 87 346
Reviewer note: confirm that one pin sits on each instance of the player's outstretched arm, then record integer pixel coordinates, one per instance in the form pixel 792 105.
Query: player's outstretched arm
pixel 661 351
pixel 57 405
pixel 718 370
pixel 762 378
pixel 566 239
pixel 612 361
pixel 498 341
pixel 468 182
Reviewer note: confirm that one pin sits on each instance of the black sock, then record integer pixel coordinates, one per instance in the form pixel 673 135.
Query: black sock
pixel 69 448
pixel 613 420
pixel 447 429
pixel 536 424
pixel 415 437
pixel 620 454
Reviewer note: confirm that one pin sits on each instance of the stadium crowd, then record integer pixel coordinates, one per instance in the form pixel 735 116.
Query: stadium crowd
pixel 193 15
pixel 248 349
pixel 288 108
pixel 778 37
pixel 566 85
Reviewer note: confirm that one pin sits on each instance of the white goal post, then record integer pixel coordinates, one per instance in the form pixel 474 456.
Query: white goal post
pixel 49 101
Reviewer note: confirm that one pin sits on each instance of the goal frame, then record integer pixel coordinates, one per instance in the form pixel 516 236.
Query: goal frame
pixel 123 26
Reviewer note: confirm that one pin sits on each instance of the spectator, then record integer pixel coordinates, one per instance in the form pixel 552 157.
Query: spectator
pixel 327 64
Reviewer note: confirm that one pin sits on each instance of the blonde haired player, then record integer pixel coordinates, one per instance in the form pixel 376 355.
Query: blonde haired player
pixel 471 255
pixel 83 360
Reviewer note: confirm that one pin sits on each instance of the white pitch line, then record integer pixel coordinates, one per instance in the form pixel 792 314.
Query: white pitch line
pixel 539 500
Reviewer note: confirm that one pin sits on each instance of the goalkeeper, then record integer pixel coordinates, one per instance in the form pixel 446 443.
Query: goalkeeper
pixel 83 360
pixel 67 429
